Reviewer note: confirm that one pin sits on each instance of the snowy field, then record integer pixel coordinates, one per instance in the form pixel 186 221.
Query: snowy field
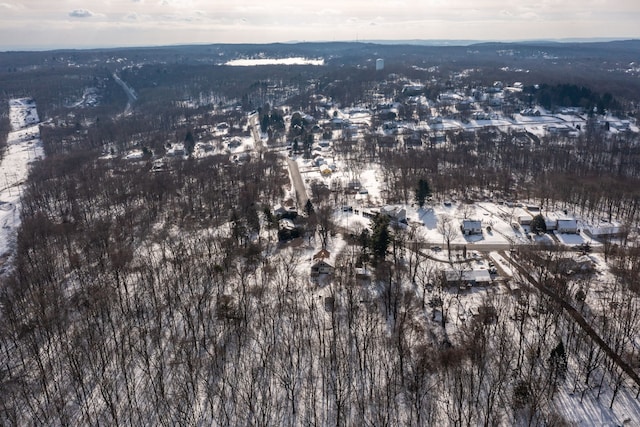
pixel 23 147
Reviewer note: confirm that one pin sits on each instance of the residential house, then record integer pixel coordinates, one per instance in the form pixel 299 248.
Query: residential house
pixel 605 230
pixel 321 264
pixel 413 140
pixel 568 226
pixel 551 223
pixel 321 267
pixel 523 217
pixel 471 226
pixel 396 214
pixel 467 277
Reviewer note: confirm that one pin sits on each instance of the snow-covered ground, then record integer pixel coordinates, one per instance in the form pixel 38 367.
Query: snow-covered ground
pixel 23 147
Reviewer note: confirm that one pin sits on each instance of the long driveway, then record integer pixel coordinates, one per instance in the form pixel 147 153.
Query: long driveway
pixel 298 184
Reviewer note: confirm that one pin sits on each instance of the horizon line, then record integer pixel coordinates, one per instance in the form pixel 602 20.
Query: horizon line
pixel 414 42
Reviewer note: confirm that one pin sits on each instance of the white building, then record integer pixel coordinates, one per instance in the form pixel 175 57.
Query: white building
pixel 568 226
pixel 471 226
pixel 471 277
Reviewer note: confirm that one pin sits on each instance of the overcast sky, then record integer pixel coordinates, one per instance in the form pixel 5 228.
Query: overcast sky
pixel 44 24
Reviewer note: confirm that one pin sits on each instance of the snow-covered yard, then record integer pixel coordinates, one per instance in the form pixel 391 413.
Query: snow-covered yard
pixel 23 147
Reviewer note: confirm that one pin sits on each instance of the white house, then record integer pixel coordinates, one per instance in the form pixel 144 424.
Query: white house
pixel 568 226
pixel 605 230
pixel 395 213
pixel 523 217
pixel 551 223
pixel 471 226
pixel 470 277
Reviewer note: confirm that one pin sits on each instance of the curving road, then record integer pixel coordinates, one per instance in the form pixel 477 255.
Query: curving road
pixel 131 95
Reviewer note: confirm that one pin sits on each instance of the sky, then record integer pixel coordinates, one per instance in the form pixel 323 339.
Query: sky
pixel 46 24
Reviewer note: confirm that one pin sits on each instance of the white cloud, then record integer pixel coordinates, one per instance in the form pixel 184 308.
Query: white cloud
pixel 329 12
pixel 81 13
pixel 177 3
pixel 133 16
pixel 146 21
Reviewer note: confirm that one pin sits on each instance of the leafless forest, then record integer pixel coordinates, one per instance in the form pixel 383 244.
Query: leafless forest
pixel 163 297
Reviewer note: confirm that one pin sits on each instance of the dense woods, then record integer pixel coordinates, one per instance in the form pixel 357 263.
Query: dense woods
pixel 144 295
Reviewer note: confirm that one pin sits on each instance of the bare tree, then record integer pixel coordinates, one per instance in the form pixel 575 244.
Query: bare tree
pixel 447 227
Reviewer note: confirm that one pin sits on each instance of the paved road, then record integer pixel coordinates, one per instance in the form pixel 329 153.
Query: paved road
pixel 497 247
pixel 255 131
pixel 298 184
pixel 131 95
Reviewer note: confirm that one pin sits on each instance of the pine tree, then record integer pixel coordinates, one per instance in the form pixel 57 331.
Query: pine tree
pixel 189 143
pixel 264 123
pixel 380 236
pixel 538 224
pixel 308 208
pixel 558 365
pixel 422 191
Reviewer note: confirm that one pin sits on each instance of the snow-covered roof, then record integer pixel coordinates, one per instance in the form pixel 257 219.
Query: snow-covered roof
pixel 604 229
pixel 322 254
pixel 478 276
pixel 286 224
pixel 471 224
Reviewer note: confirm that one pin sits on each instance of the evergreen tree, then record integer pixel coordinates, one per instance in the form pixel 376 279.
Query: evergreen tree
pixel 538 224
pixel 422 191
pixel 269 218
pixel 308 142
pixel 264 123
pixel 252 218
pixel 557 365
pixel 380 236
pixel 189 143
pixel 558 360
pixel 308 208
